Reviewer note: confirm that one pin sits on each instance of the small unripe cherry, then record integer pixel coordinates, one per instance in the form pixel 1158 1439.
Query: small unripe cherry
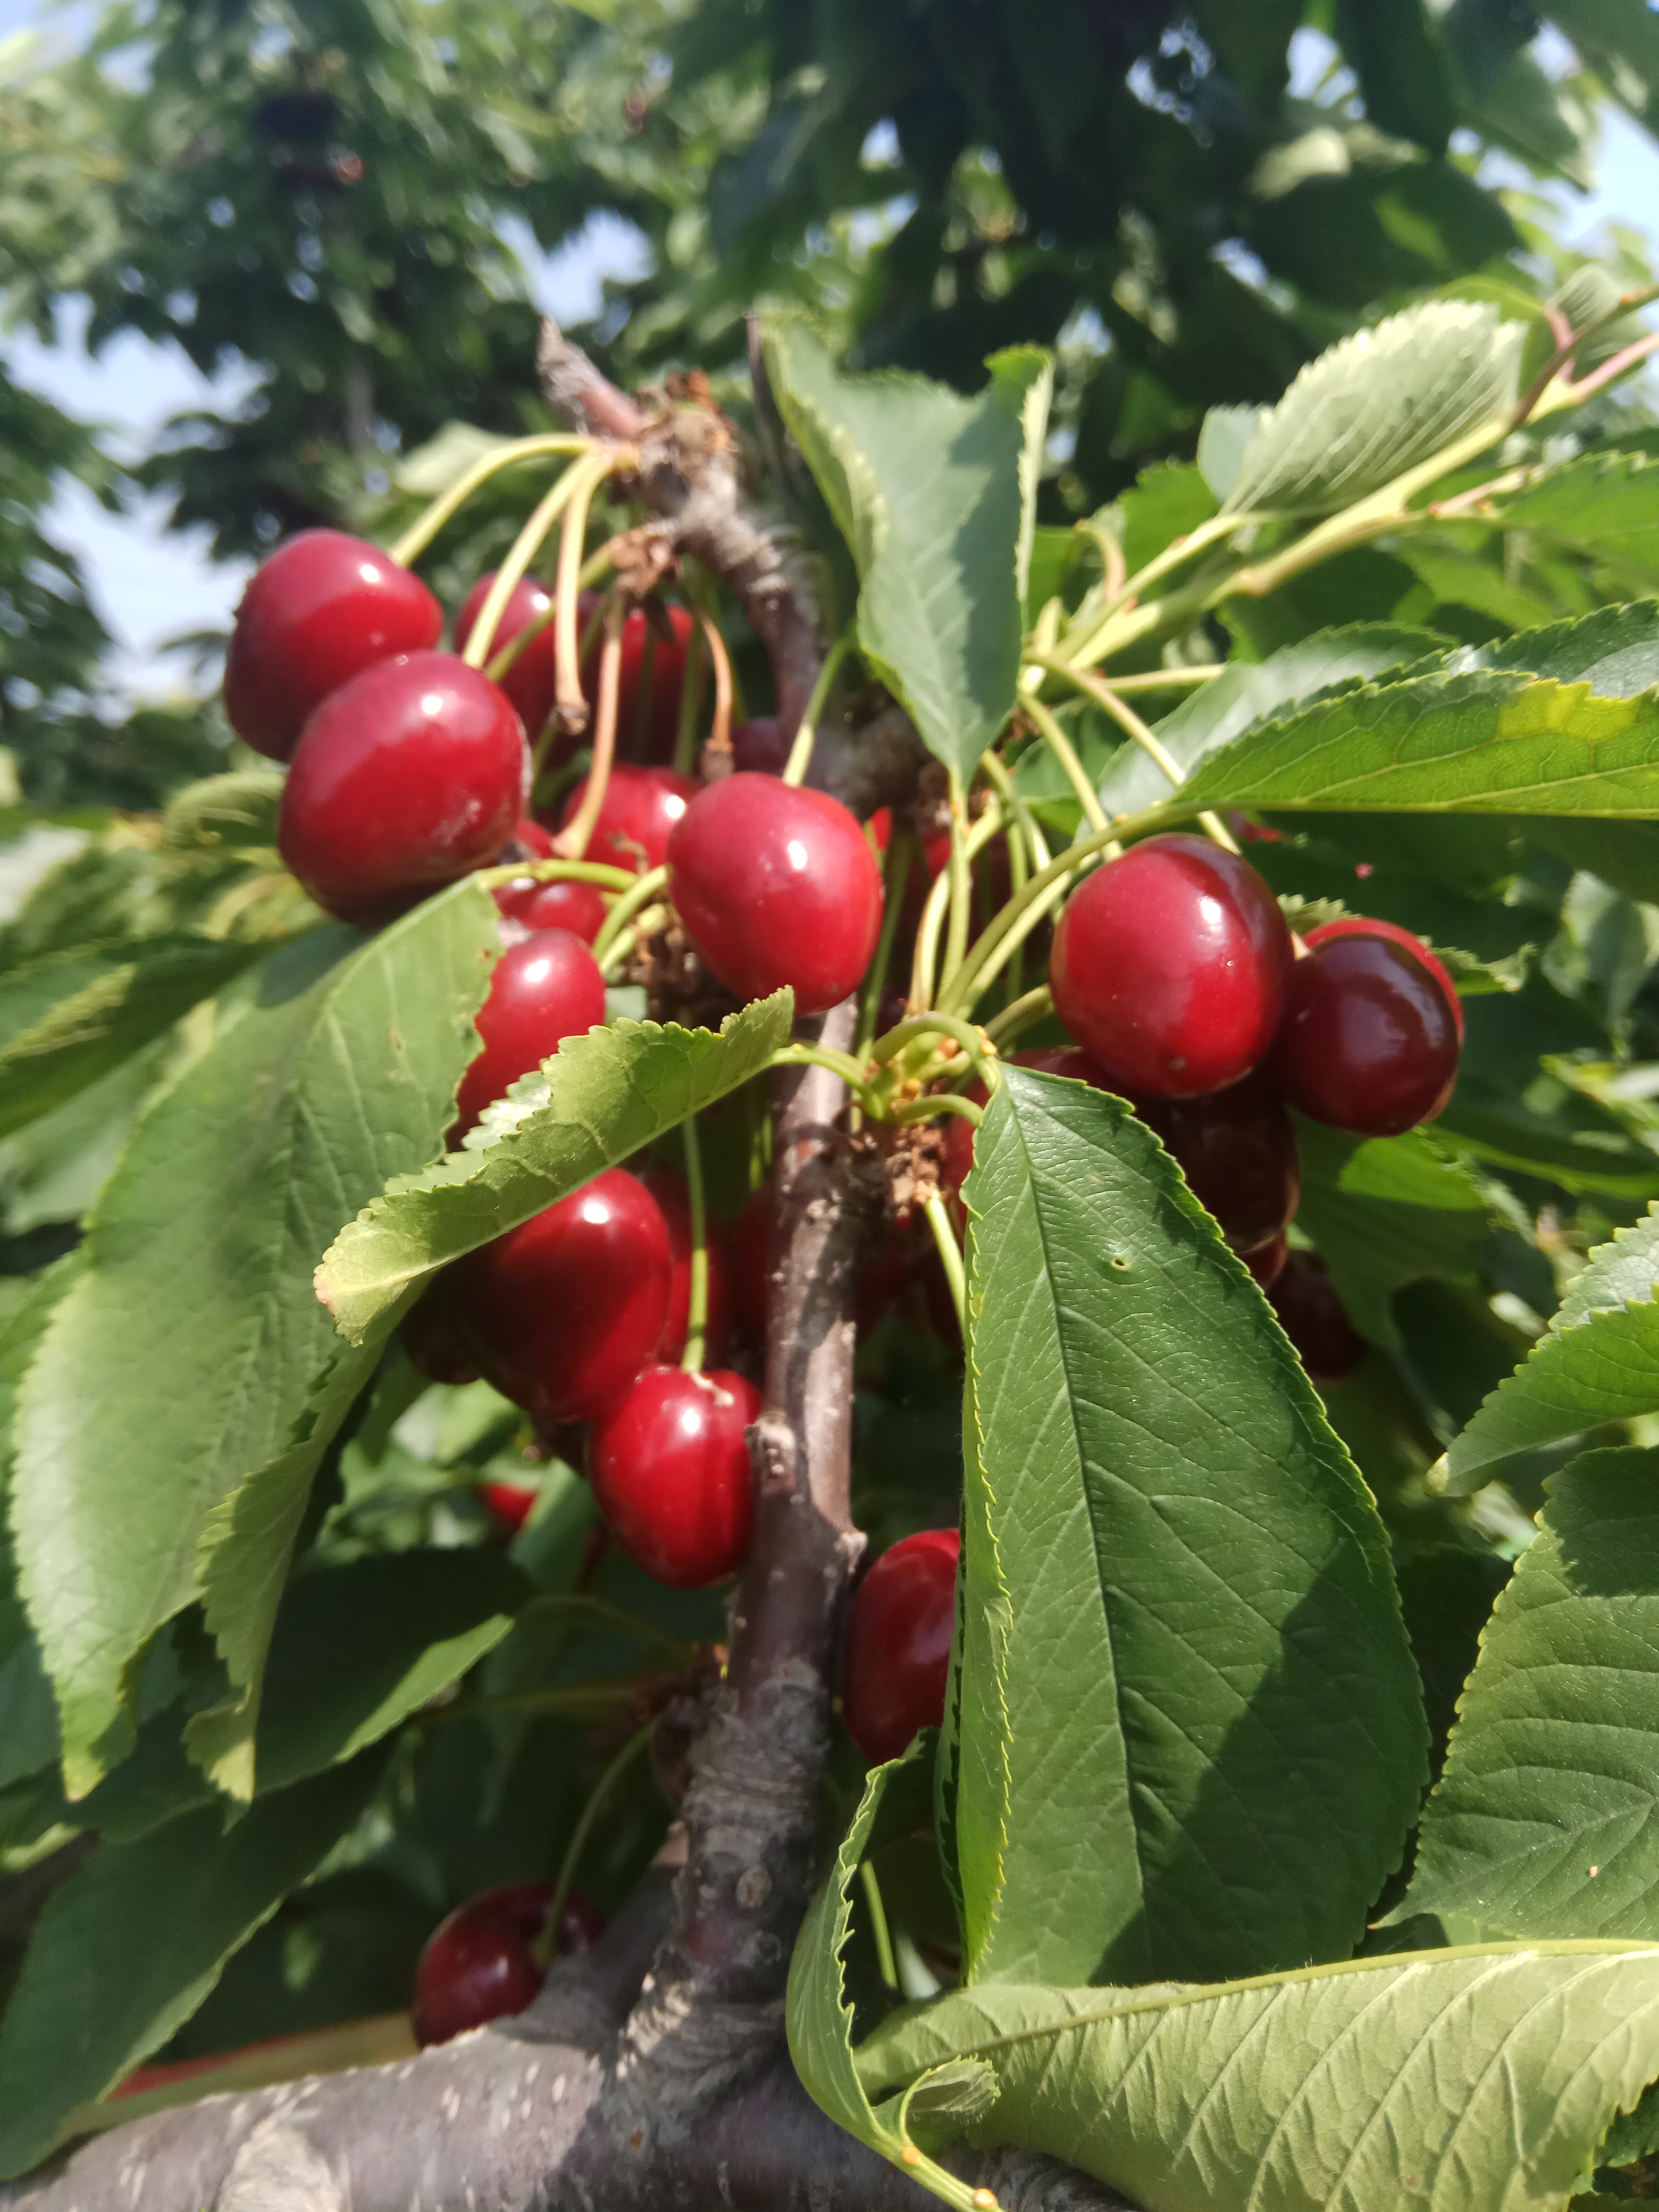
pixel 322 608
pixel 1170 967
pixel 545 989
pixel 1316 1320
pixel 776 886
pixel 898 1643
pixel 411 775
pixel 1369 1041
pixel 563 1312
pixel 667 1185
pixel 529 682
pixel 479 1963
pixel 670 1467
pixel 641 809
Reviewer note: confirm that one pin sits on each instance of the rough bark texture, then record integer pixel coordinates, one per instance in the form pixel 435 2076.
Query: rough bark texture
pixel 652 2074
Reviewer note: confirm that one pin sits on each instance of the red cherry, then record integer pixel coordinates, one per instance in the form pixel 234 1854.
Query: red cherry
pixel 529 683
pixel 509 1505
pixel 898 1643
pixel 751 1264
pixel 777 885
pixel 1267 1262
pixel 562 903
pixel 479 1963
pixel 1369 1041
pixel 649 728
pixel 1237 1151
pixel 1359 925
pixel 563 1312
pixel 1170 967
pixel 528 840
pixel 322 608
pixel 642 807
pixel 542 990
pixel 1315 1319
pixel 669 1464
pixel 757 746
pixel 668 1187
pixel 408 776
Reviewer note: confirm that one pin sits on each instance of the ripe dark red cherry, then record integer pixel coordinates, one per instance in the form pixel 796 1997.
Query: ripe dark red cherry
pixel 479 1964
pixel 509 1505
pixel 751 1263
pixel 542 990
pixel 1359 925
pixel 562 903
pixel 667 1185
pixel 898 1643
pixel 1170 967
pixel 1315 1319
pixel 642 808
pixel 757 746
pixel 669 1464
pixel 428 1338
pixel 1237 1151
pixel 777 885
pixel 529 683
pixel 1369 1041
pixel 563 1312
pixel 408 776
pixel 322 608
pixel 645 728
pixel 1267 1262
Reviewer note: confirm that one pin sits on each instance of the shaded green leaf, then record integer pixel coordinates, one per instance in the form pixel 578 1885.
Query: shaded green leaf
pixel 130 1944
pixel 1458 2080
pixel 1163 503
pixel 1598 1361
pixel 1392 51
pixel 601 1098
pixel 1619 39
pixel 1190 1731
pixel 926 486
pixel 1607 501
pixel 191 1354
pixel 1546 1822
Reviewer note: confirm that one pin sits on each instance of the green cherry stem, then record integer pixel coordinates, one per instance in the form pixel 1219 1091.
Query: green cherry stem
pixel 921 1025
pixel 1105 697
pixel 580 871
pixel 924 966
pixel 950 1253
pixel 642 890
pixel 696 1315
pixel 961 881
pixel 547 1942
pixel 886 1963
pixel 421 534
pixel 1066 753
pixel 1019 1014
pixel 523 550
pixel 900 847
pixel 800 752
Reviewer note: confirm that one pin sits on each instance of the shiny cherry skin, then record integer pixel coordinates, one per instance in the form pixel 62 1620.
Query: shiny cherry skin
pixel 898 1643
pixel 667 1185
pixel 563 1312
pixel 479 1964
pixel 410 775
pixel 322 608
pixel 1237 1151
pixel 1170 967
pixel 1361 925
pixel 757 746
pixel 670 1467
pixel 1315 1319
pixel 642 808
pixel 509 1505
pixel 529 683
pixel 1267 1262
pixel 562 903
pixel 777 885
pixel 1369 1041
pixel 542 990
pixel 646 728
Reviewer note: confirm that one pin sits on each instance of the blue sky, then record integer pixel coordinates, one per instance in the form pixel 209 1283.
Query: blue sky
pixel 150 585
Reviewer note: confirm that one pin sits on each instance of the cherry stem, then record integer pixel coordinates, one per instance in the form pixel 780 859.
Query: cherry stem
pixel 574 838
pixel 886 1963
pixel 697 1312
pixel 520 554
pixel 971 1040
pixel 1066 753
pixel 1626 304
pixel 1027 847
pixel 950 1253
pixel 690 707
pixel 1105 696
pixel 578 872
pixel 933 914
pixel 720 735
pixel 568 700
pixel 938 1103
pixel 642 890
pixel 800 753
pixel 961 881
pixel 840 1063
pixel 901 849
pixel 1020 1014
pixel 420 534
pixel 544 1949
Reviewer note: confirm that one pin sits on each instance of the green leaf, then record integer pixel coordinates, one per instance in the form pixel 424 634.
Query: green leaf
pixel 1609 503
pixel 928 489
pixel 238 809
pixel 1546 1822
pixel 130 1945
pixel 1378 406
pixel 820 2020
pixel 1476 2080
pixel 66 1020
pixel 1163 503
pixel 1247 690
pixel 1598 1361
pixel 1392 51
pixel 1191 1737
pixel 358 1648
pixel 1619 40
pixel 1385 1211
pixel 191 1359
pixel 602 1096
pixel 1543 725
